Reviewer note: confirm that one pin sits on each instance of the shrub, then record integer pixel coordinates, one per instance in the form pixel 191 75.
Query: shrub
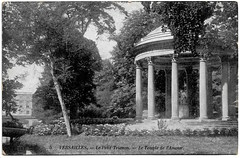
pixel 58 128
pixel 227 132
pixel 196 132
pixel 54 128
pixel 223 131
pixel 162 125
pixel 216 132
pixel 113 120
pixel 146 132
pixel 169 132
pixel 206 132
pixel 92 111
pixel 187 132
pixel 104 130
pixel 233 132
pixel 177 132
pixel 160 132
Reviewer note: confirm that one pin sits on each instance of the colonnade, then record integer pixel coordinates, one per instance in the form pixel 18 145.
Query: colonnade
pixel 205 81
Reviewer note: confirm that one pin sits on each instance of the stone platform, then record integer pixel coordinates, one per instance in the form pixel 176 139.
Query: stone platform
pixel 183 124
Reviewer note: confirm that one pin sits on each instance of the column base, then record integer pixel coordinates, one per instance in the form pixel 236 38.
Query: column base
pixel 151 118
pixel 138 118
pixel 175 118
pixel 139 121
pixel 225 118
pixel 204 118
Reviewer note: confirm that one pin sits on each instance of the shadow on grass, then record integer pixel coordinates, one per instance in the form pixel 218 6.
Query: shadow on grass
pixel 20 148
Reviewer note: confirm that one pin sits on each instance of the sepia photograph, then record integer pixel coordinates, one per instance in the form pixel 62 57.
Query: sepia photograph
pixel 119 78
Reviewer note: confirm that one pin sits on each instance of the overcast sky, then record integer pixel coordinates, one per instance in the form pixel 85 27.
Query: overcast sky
pixel 31 81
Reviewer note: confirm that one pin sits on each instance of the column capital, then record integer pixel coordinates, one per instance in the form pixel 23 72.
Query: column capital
pixel 174 58
pixel 149 60
pixel 203 58
pixel 138 65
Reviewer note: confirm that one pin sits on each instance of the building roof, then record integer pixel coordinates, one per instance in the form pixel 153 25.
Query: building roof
pixel 155 36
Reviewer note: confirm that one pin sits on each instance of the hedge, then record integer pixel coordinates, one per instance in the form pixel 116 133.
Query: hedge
pixel 120 130
pixel 89 121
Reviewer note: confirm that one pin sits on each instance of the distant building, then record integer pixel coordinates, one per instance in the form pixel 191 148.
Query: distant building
pixel 24 109
pixel 24 102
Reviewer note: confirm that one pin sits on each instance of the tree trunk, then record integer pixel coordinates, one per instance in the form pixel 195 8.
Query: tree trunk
pixel 59 94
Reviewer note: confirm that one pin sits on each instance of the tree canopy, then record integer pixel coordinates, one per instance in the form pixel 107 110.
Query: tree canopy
pixel 184 19
pixel 9 86
pixel 52 33
pixel 222 28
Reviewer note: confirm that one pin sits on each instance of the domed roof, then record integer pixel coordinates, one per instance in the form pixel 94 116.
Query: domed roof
pixel 156 35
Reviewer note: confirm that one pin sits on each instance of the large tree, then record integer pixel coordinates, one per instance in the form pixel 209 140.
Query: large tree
pixel 49 32
pixel 76 79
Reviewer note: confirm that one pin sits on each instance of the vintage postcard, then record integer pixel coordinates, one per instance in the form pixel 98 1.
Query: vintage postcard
pixel 119 78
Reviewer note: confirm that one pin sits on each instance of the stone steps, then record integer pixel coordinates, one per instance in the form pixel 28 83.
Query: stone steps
pixel 184 124
pixel 214 124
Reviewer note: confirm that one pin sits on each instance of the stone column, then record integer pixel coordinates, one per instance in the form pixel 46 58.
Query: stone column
pixel 203 89
pixel 168 93
pixel 175 103
pixel 139 104
pixel 225 75
pixel 209 93
pixel 151 90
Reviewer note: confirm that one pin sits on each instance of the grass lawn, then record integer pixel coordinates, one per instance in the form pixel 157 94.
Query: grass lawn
pixel 131 145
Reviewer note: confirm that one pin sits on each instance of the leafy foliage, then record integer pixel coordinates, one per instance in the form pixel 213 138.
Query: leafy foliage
pixel 93 127
pixel 137 25
pixel 184 19
pixel 52 32
pixel 92 111
pixel 46 105
pixel 75 75
pixel 104 81
pixel 37 28
pixel 112 120
pixel 9 94
pixel 222 29
pixel 9 86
